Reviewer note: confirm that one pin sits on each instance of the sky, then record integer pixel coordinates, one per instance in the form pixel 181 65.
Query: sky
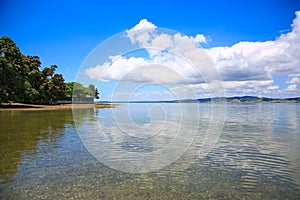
pixel 254 46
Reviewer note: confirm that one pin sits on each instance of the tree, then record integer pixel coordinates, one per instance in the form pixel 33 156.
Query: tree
pixel 34 78
pixel 69 89
pixel 94 91
pixel 79 91
pixel 97 94
pixel 21 79
pixel 12 71
pixel 52 87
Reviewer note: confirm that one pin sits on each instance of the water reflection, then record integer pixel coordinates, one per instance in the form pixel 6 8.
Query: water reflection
pixel 21 133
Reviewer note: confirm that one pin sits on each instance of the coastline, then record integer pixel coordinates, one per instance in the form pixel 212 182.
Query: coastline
pixel 37 107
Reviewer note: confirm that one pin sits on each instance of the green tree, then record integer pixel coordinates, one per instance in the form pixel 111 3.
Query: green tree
pixel 21 79
pixel 34 78
pixel 78 91
pixel 69 89
pixel 94 91
pixel 52 87
pixel 12 72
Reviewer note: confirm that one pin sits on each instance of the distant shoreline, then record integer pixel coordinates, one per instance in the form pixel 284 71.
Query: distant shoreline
pixel 236 99
pixel 36 107
pixel 107 104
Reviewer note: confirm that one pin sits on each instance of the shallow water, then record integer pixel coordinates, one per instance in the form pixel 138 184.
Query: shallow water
pixel 256 155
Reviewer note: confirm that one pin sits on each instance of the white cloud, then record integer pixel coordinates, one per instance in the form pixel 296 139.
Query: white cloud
pixel 165 68
pixel 273 87
pixel 163 41
pixel 199 38
pixel 143 24
pixel 141 33
pixel 293 80
pixel 246 67
pixel 292 87
pixel 294 74
pixel 143 95
pixel 169 61
pixel 260 60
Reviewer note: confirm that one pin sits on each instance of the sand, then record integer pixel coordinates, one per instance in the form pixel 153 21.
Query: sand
pixel 36 107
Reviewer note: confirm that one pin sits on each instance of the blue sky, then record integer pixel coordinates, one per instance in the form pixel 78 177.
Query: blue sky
pixel 65 32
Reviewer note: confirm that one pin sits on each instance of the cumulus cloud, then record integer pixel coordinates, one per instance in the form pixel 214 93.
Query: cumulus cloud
pixel 238 88
pixel 199 38
pixel 165 68
pixel 143 95
pixel 169 59
pixel 292 87
pixel 246 67
pixel 143 24
pixel 293 80
pixel 141 33
pixel 260 60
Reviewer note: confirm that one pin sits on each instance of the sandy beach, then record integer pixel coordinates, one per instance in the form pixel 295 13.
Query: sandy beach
pixel 36 107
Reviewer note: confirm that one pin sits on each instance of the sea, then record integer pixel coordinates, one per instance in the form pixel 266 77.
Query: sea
pixel 152 151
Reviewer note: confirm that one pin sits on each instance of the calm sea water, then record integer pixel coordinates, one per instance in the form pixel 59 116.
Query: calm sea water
pixel 152 151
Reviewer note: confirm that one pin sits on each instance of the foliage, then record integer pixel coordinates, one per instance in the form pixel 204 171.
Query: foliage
pixel 12 72
pixel 94 91
pixel 235 101
pixel 80 91
pixel 69 89
pixel 22 80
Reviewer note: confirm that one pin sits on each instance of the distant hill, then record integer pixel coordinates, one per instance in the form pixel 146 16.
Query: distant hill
pixel 242 99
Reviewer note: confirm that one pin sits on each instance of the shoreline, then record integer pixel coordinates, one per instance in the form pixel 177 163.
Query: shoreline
pixel 37 107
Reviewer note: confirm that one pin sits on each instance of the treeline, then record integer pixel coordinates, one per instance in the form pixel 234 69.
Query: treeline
pixel 23 80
